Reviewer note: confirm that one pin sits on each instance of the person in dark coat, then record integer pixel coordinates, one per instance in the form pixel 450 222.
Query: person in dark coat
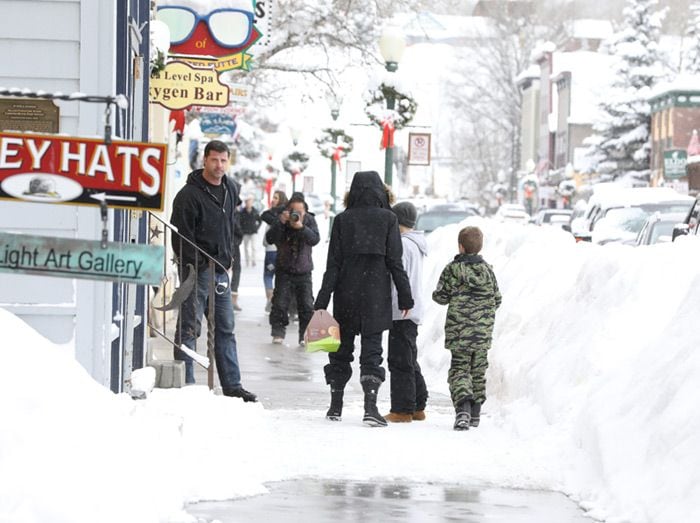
pixel 294 233
pixel 204 213
pixel 364 256
pixel 250 223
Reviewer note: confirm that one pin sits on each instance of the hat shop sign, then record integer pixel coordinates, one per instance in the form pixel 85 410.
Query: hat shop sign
pixel 81 171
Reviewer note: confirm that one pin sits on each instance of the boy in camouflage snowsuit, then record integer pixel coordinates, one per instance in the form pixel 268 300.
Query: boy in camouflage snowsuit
pixel 468 285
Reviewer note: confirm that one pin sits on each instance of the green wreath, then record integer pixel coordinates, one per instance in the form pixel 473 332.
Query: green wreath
pixel 331 139
pixel 375 107
pixel 295 162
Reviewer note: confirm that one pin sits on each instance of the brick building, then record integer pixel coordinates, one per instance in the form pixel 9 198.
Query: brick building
pixel 675 113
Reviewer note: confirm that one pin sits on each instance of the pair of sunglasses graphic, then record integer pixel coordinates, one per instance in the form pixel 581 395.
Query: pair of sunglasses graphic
pixel 229 27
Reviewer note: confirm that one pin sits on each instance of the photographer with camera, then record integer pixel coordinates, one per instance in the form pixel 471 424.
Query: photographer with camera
pixel 294 233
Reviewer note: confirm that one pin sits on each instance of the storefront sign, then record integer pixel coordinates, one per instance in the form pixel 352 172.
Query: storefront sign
pixel 674 163
pixel 217 124
pixel 240 93
pixel 180 86
pixel 40 116
pixel 57 169
pixel 199 31
pixel 418 148
pixel 72 258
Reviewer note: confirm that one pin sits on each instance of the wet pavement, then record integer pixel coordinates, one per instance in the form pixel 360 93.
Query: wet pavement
pixel 317 501
pixel 286 377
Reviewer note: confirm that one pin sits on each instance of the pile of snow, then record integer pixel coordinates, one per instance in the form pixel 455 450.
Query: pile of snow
pixel 591 385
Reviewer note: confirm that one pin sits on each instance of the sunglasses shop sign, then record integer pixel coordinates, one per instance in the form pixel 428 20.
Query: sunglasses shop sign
pixel 180 86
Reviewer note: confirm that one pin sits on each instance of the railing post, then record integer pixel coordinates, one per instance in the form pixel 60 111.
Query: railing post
pixel 211 325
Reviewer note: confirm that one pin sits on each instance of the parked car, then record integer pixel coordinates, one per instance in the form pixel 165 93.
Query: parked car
pixel 430 220
pixel 658 228
pixel 689 225
pixel 618 215
pixel 461 205
pixel 555 217
pixel 512 212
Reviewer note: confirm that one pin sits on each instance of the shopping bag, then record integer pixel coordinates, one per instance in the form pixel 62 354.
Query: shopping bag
pixel 322 333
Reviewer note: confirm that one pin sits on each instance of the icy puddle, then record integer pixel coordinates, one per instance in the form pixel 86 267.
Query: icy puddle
pixel 316 501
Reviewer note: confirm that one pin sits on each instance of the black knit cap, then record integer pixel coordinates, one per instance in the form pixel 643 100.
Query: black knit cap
pixel 298 197
pixel 406 213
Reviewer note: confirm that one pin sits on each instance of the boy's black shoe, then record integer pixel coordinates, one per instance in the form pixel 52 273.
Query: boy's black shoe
pixel 462 421
pixel 240 392
pixel 464 416
pixel 475 414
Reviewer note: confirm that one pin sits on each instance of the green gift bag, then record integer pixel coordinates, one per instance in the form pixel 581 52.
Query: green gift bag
pixel 322 333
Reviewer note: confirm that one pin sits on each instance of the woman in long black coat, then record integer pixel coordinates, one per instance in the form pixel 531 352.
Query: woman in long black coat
pixel 364 256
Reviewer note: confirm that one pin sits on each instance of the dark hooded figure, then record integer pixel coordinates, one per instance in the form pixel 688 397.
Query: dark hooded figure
pixel 364 255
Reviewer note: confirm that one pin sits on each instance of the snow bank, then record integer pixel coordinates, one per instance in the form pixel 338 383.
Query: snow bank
pixel 592 383
pixel 601 340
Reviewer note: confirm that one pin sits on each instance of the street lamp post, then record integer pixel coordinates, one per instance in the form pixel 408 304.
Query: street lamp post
pixel 334 104
pixel 391 45
pixel 295 133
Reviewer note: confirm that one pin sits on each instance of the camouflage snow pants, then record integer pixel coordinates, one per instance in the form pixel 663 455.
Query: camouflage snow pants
pixel 467 375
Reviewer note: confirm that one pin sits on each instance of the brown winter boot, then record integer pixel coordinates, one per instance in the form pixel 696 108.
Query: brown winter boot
pixel 419 415
pixel 398 417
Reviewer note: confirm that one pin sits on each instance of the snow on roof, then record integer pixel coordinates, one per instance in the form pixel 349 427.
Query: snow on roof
pixel 590 28
pixel 531 72
pixel 207 6
pixel 590 75
pixel 540 49
pixel 683 82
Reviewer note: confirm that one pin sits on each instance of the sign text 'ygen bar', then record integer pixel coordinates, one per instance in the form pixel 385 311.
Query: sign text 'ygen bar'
pixel 87 259
pixel 59 169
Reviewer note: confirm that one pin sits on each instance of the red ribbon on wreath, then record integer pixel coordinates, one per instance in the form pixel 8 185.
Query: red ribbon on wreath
pixel 387 133
pixel 336 156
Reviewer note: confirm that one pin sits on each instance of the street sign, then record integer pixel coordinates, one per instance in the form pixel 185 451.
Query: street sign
pixel 180 86
pixel 418 148
pixel 59 169
pixel 675 161
pixel 86 259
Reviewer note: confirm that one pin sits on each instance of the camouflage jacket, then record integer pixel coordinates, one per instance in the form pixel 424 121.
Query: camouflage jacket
pixel 468 285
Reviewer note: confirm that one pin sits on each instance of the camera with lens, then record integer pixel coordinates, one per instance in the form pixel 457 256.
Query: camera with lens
pixel 294 216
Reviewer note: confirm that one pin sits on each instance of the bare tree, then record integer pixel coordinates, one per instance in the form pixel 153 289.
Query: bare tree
pixel 483 94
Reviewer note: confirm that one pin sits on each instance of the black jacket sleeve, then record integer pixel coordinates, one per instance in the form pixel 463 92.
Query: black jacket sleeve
pixel 334 263
pixel 310 230
pixel 186 216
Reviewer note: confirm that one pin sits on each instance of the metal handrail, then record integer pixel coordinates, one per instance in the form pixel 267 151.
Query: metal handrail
pixel 212 265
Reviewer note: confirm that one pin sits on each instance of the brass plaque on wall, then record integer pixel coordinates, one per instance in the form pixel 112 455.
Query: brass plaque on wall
pixel 39 116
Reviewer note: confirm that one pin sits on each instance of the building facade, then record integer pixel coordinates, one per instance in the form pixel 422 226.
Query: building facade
pixel 96 48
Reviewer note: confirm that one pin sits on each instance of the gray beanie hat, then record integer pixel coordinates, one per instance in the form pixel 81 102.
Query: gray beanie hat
pixel 406 213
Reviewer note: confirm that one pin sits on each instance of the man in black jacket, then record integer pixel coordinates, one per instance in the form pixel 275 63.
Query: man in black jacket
pixel 294 233
pixel 204 213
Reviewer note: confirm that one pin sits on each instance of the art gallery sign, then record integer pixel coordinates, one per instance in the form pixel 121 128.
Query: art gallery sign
pixel 69 170
pixel 86 259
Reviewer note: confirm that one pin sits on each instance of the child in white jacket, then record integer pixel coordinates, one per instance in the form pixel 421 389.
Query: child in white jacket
pixel 408 391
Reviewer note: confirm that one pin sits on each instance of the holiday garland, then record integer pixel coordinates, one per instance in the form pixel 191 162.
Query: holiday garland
pixel 334 143
pixel 404 109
